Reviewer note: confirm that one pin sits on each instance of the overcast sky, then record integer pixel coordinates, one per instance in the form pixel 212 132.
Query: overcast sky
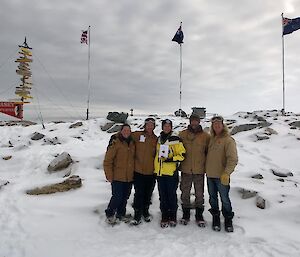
pixel 232 54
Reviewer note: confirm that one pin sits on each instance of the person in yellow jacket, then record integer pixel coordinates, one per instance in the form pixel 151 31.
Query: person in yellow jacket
pixel 118 166
pixel 221 161
pixel 144 179
pixel 195 141
pixel 169 153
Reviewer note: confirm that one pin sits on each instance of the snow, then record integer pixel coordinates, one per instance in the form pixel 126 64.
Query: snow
pixel 73 223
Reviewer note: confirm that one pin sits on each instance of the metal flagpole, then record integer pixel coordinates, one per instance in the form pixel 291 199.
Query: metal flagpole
pixel 180 75
pixel 283 82
pixel 89 77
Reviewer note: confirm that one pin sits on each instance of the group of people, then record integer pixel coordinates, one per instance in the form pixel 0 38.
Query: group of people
pixel 141 158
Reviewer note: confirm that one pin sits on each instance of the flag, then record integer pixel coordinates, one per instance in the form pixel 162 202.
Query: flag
pixel 290 25
pixel 178 37
pixel 84 37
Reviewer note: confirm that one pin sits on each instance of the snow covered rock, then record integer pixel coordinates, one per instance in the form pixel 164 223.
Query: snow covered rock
pixel 3 183
pixel 261 137
pixel 282 174
pixel 76 125
pixel 260 202
pixel 246 194
pixel 115 129
pixel 72 182
pixel 6 158
pixel 117 117
pixel 37 136
pixel 62 161
pixel 51 141
pixel 107 126
pixel 270 131
pixel 246 127
pixel 257 176
pixel 295 124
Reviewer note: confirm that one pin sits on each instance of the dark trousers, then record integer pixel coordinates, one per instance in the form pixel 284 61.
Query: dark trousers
pixel 186 185
pixel 167 187
pixel 118 201
pixel 214 187
pixel 143 186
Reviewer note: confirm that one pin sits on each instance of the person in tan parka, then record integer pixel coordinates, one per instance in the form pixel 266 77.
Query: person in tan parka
pixel 220 163
pixel 118 166
pixel 195 141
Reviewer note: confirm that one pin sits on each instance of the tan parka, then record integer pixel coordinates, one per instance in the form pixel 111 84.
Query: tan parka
pixel 118 162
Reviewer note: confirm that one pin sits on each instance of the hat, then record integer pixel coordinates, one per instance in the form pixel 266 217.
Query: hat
pixel 150 120
pixel 166 121
pixel 194 117
pixel 217 118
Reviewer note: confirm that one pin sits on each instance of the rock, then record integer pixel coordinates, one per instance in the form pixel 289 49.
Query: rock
pixel 72 182
pixel 76 125
pixel 114 129
pixel 62 161
pixel 180 113
pixel 10 144
pixel 79 138
pixel 260 202
pixel 107 126
pixel 6 158
pixel 117 117
pixel 53 141
pixel 3 183
pixel 282 174
pixel 270 131
pixel 293 128
pixel 259 118
pixel 246 127
pixel 295 124
pixel 246 194
pixel 280 179
pixel 261 137
pixel 37 136
pixel 257 176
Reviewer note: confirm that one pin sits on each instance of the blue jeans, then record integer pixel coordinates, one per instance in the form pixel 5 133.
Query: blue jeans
pixel 118 201
pixel 214 187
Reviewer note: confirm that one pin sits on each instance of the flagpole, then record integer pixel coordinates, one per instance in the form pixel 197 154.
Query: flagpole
pixel 89 77
pixel 180 75
pixel 283 81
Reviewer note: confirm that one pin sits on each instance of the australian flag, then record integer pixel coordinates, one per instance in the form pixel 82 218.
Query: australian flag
pixel 178 36
pixel 290 25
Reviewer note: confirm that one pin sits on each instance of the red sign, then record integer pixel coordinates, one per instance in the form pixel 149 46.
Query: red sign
pixel 12 109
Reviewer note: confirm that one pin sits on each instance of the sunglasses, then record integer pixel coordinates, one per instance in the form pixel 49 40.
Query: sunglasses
pixel 217 118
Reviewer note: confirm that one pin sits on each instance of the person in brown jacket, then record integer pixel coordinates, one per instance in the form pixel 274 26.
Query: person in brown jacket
pixel 144 179
pixel 220 163
pixel 195 141
pixel 118 166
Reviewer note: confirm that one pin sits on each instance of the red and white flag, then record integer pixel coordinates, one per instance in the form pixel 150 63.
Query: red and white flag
pixel 84 37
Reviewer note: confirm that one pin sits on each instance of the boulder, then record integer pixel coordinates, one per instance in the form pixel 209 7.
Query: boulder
pixel 107 126
pixel 76 125
pixel 6 158
pixel 62 161
pixel 37 136
pixel 261 137
pixel 117 117
pixel 295 124
pixel 246 194
pixel 270 131
pixel 114 129
pixel 51 141
pixel 257 176
pixel 72 182
pixel 260 202
pixel 180 113
pixel 246 127
pixel 282 174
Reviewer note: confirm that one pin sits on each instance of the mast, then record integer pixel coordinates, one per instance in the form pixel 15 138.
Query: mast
pixel 89 71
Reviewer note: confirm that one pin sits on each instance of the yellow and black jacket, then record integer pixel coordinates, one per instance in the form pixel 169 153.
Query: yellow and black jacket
pixel 168 166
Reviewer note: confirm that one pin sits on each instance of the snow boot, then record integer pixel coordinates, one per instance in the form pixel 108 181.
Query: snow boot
pixel 137 218
pixel 111 220
pixel 126 218
pixel 228 222
pixel 186 216
pixel 216 223
pixel 173 219
pixel 146 215
pixel 199 217
pixel 164 223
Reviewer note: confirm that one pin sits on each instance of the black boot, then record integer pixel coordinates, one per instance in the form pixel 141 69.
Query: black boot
pixel 164 223
pixel 228 222
pixel 137 218
pixel 173 218
pixel 216 223
pixel 186 216
pixel 146 215
pixel 199 217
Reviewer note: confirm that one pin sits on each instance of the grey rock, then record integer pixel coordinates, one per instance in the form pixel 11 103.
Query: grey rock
pixel 6 158
pixel 247 127
pixel 107 126
pixel 76 125
pixel 262 137
pixel 295 124
pixel 260 202
pixel 180 114
pixel 270 131
pixel 51 141
pixel 37 136
pixel 246 194
pixel 117 117
pixel 282 174
pixel 114 129
pixel 257 176
pixel 280 179
pixel 60 162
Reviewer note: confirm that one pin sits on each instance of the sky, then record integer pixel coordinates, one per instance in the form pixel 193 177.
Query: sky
pixel 232 55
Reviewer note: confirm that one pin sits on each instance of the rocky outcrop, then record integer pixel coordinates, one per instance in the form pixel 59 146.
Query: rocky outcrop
pixel 117 117
pixel 61 162
pixel 247 127
pixel 72 182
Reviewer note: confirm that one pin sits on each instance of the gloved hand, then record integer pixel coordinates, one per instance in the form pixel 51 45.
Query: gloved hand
pixel 225 178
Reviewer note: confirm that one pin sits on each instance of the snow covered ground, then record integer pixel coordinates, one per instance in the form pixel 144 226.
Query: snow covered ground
pixel 73 223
